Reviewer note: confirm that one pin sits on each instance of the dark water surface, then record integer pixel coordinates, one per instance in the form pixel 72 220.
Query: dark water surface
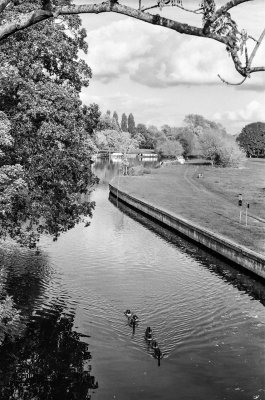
pixel 208 317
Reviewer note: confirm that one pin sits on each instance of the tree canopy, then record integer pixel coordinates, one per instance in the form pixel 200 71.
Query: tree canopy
pixel 169 149
pixel 217 23
pixel 252 139
pixel 45 132
pixel 124 123
pixel 131 124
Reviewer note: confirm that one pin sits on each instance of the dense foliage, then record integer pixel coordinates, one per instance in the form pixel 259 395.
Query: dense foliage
pixel 170 149
pixel 222 151
pixel 124 123
pixel 131 124
pixel 46 134
pixel 252 139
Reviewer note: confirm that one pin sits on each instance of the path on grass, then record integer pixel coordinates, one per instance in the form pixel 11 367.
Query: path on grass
pixel 191 177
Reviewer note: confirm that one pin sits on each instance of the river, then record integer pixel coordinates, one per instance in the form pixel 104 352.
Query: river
pixel 207 317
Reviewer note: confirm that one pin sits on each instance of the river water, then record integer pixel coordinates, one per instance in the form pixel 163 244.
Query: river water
pixel 72 339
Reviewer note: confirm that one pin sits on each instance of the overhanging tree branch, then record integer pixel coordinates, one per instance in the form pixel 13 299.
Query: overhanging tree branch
pixel 41 15
pixel 218 24
pixel 247 70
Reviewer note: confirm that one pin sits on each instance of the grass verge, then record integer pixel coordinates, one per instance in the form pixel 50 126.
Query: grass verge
pixel 210 201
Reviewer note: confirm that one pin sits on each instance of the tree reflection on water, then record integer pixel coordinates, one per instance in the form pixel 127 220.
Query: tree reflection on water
pixel 41 356
pixel 49 362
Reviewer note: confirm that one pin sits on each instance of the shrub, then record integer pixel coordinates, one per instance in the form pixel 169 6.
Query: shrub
pixel 223 151
pixel 136 170
pixel 147 171
pixel 170 149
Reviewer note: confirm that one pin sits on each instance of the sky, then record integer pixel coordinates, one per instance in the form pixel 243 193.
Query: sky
pixel 160 75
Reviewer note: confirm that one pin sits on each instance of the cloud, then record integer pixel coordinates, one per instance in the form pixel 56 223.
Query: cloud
pixel 125 102
pixel 157 57
pixel 252 112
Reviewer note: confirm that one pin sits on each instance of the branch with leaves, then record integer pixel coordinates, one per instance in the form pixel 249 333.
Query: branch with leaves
pixel 217 23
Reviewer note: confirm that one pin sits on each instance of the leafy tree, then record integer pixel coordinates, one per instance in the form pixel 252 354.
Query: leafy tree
pixel 141 128
pixel 91 115
pixel 115 116
pixel 169 148
pixel 131 124
pixel 252 139
pixel 198 125
pixel 124 123
pixel 46 164
pixel 188 140
pixel 223 152
pixel 217 23
pixel 114 140
pixel 106 123
pixel 152 136
pixel 184 135
pixel 145 137
pixel 166 129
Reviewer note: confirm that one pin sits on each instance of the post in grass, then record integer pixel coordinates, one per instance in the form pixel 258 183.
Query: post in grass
pixel 247 206
pixel 240 201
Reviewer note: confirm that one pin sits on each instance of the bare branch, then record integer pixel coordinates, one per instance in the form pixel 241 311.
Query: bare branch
pixel 221 11
pixel 4 4
pixel 246 56
pixel 150 8
pixel 228 6
pixel 246 71
pixel 251 37
pixel 254 51
pixel 188 10
pixel 231 83
pixel 168 4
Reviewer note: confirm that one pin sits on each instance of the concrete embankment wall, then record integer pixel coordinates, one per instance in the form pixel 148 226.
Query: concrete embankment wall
pixel 231 251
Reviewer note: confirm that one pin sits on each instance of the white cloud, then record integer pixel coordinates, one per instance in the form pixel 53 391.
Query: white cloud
pixel 157 57
pixel 125 102
pixel 252 112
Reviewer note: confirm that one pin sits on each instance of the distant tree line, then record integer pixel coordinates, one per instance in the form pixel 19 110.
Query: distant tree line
pixel 197 137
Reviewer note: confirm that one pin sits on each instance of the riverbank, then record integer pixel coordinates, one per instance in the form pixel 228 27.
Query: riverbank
pixel 214 206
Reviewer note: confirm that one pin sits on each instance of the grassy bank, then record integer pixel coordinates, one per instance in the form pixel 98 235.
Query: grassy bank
pixel 210 201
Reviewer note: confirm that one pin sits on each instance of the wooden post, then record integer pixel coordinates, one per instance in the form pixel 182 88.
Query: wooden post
pixel 118 187
pixel 247 206
pixel 240 202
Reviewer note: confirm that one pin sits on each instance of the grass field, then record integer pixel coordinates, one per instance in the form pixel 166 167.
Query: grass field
pixel 210 201
pixel 229 182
